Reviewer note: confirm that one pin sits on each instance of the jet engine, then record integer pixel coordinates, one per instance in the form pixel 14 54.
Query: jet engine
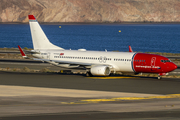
pixel 100 70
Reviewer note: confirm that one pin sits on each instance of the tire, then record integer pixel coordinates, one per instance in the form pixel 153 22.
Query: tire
pixel 88 74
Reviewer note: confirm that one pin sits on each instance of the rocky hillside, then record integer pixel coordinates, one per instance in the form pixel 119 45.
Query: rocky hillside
pixel 91 10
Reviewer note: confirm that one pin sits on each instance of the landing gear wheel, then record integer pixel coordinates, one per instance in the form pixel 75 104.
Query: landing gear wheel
pixel 88 74
pixel 110 74
pixel 159 77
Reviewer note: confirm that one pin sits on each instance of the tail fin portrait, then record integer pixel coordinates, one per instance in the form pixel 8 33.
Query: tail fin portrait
pixel 39 39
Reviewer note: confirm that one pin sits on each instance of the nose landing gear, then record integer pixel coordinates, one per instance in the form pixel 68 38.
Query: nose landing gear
pixel 159 77
pixel 161 74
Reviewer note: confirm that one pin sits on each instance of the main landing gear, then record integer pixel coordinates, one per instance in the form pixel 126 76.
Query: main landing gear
pixel 88 74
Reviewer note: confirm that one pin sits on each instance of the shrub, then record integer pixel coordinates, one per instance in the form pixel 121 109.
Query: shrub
pixel 25 69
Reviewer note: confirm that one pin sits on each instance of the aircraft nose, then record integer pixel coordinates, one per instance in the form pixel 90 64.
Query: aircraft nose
pixel 173 66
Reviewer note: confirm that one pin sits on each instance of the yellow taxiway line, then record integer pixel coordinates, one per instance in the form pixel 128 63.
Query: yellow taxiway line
pixel 110 77
pixel 88 101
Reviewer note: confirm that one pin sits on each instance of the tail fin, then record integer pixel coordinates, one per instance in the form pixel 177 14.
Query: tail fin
pixel 40 41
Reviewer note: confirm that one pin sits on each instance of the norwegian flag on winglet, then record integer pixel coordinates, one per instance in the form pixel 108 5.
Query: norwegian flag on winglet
pixel 61 53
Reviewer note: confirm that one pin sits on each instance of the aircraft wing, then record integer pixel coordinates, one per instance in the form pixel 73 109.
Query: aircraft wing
pixel 62 62
pixel 68 62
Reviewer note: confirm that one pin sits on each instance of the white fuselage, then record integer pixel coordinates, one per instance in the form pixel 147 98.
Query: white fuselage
pixel 119 61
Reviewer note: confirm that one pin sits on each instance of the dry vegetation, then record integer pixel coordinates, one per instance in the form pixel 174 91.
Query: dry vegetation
pixel 26 69
pixel 165 54
pixel 12 56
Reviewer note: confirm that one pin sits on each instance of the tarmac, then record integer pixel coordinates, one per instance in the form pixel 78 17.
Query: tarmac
pixel 61 96
pixel 74 96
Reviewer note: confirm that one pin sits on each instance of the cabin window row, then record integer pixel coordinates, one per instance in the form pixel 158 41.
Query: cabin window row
pixel 91 58
pixel 139 60
pixel 122 59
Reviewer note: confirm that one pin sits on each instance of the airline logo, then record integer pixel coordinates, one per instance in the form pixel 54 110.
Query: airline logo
pixel 61 53
pixel 140 66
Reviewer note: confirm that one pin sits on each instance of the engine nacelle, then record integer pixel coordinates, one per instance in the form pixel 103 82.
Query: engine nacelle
pixel 100 70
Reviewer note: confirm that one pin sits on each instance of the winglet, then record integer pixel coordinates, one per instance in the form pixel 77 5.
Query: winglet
pixel 22 53
pixel 130 49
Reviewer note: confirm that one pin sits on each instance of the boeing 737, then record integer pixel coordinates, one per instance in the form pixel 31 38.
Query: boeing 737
pixel 96 63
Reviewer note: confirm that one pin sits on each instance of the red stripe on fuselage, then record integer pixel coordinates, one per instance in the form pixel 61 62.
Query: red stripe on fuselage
pixel 150 63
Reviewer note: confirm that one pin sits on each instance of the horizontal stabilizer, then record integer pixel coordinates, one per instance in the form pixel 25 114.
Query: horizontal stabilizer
pixel 22 52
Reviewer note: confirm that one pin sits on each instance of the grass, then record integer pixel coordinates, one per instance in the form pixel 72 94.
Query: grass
pixel 14 49
pixel 45 70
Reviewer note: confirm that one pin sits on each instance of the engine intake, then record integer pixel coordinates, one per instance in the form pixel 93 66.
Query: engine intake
pixel 100 70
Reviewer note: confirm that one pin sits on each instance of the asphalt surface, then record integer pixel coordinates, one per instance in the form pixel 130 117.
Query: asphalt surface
pixel 120 84
pixel 160 115
pixel 46 107
pixel 50 107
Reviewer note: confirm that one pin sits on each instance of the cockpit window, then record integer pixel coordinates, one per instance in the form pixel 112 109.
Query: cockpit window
pixel 164 61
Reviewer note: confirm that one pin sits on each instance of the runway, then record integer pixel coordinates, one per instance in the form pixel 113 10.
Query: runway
pixel 62 96
pixel 120 84
pixel 74 96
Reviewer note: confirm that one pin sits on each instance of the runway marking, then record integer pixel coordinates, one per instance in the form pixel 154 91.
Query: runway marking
pixel 121 77
pixel 11 91
pixel 88 101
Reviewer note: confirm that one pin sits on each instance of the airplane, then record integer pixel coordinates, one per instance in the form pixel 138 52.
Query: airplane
pixel 96 63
